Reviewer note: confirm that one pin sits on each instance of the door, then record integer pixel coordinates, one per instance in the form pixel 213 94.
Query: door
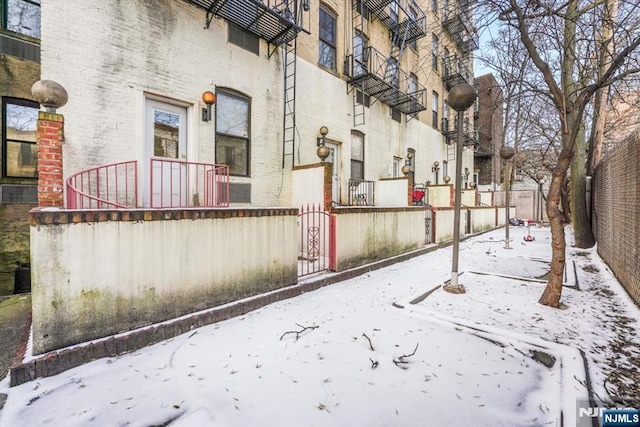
pixel 334 158
pixel 166 154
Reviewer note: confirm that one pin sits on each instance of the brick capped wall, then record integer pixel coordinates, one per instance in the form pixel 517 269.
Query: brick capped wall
pixel 50 137
pixel 616 213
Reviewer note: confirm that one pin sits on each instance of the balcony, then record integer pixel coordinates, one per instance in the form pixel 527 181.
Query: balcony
pixel 172 184
pixel 456 70
pixel 458 23
pixel 379 76
pixel 276 21
pixel 403 17
pixel 469 132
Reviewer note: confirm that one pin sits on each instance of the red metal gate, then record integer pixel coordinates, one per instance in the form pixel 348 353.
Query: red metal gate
pixel 316 236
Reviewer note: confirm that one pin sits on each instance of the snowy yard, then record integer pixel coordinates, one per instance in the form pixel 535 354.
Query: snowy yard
pixel 371 357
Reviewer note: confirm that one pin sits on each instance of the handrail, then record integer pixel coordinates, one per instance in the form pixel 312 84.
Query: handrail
pixel 109 186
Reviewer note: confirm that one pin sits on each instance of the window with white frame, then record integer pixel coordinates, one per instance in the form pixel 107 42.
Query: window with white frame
pixel 392 72
pixel 357 155
pixel 445 115
pixel 434 51
pixel 327 42
pixel 397 166
pixel 413 85
pixel 21 16
pixel 19 150
pixel 434 108
pixel 233 112
pixel 394 8
pixel 359 53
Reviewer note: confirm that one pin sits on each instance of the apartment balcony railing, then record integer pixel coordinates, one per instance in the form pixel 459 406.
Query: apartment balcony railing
pixel 379 76
pixel 457 21
pixel 469 132
pixel 172 184
pixel 406 20
pixel 361 192
pixel 276 21
pixel 456 70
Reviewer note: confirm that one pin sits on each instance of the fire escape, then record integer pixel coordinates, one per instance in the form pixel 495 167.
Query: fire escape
pixel 278 22
pixel 372 74
pixel 457 22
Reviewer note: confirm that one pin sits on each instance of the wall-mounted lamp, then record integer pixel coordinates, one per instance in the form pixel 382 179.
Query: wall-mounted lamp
pixel 323 151
pixel 435 168
pixel 208 98
pixel 446 179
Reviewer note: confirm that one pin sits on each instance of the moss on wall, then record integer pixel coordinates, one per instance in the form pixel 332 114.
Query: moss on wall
pixel 95 313
pixel 14 242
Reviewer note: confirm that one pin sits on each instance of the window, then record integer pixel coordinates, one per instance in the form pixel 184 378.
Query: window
pixel 22 16
pixel 434 108
pixel 394 9
pixel 446 68
pixel 445 168
pixel 19 151
pixel 392 72
pixel 244 39
pixel 357 155
pixel 434 6
pixel 233 132
pixel 414 17
pixel 396 115
pixel 362 9
pixel 397 162
pixel 413 85
pixel 327 43
pixel 445 116
pixel 359 54
pixel 434 51
pixel 362 98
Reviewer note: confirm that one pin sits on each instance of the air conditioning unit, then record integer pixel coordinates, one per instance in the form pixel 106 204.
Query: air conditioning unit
pixel 13 194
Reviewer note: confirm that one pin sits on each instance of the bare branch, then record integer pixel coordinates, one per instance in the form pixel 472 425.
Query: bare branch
pixel 368 339
pixel 304 328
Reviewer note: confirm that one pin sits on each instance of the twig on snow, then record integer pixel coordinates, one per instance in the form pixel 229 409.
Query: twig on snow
pixel 374 363
pixel 304 328
pixel 401 359
pixel 368 339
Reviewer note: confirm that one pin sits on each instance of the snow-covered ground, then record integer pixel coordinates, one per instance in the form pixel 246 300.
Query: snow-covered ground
pixel 373 351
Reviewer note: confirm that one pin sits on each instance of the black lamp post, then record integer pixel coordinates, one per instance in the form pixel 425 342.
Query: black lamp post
pixel 507 153
pixel 460 98
pixel 540 178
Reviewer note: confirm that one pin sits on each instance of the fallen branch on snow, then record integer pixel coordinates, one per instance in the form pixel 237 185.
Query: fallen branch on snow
pixel 401 359
pixel 304 328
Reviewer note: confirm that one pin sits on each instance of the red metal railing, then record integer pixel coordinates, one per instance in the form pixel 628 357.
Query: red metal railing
pixel 172 184
pixel 178 184
pixel 112 186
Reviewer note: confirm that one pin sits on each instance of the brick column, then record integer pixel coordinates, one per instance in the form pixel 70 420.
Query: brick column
pixel 328 186
pixel 50 135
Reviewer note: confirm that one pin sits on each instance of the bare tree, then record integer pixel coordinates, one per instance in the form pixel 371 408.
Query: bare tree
pixel 564 42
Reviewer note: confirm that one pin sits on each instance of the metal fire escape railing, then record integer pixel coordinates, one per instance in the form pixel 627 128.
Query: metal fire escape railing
pixel 370 72
pixel 278 22
pixel 469 132
pixel 456 70
pixel 379 76
pixel 457 21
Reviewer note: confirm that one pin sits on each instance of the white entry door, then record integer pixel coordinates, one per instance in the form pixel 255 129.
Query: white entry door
pixel 166 151
pixel 334 158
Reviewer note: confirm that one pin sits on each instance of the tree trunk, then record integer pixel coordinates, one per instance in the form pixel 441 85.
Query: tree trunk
pixel 565 199
pixel 579 218
pixel 553 291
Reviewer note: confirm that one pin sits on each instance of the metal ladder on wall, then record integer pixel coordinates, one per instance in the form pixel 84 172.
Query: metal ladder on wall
pixel 289 115
pixel 357 89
